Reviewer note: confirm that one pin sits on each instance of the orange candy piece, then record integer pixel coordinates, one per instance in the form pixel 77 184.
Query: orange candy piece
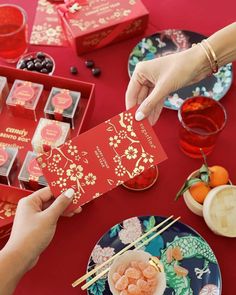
pixel 169 256
pixel 180 271
pixel 134 290
pixel 116 276
pixel 177 253
pixel 124 292
pixel 122 283
pixel 142 265
pixel 121 269
pixel 134 264
pixel 133 273
pixel 149 272
pixel 143 285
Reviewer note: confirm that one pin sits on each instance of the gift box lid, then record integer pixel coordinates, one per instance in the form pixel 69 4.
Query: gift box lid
pixel 86 16
pixel 98 23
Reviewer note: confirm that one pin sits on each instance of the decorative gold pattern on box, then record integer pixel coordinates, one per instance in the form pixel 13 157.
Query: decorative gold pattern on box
pixel 7 210
pixel 109 11
pixel 47 28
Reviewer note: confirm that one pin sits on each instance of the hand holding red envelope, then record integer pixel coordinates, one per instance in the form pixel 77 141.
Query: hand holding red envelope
pixel 102 158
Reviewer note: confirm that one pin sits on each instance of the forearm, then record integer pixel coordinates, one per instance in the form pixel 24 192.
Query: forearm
pixel 12 268
pixel 223 43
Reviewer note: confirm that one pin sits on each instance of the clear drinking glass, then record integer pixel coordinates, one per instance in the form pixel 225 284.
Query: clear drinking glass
pixel 13 32
pixel 201 121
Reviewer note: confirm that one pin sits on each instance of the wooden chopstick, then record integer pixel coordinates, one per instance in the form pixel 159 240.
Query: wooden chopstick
pixel 88 274
pixel 93 280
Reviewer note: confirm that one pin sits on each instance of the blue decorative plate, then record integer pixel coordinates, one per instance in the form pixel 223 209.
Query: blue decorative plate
pixel 203 277
pixel 171 41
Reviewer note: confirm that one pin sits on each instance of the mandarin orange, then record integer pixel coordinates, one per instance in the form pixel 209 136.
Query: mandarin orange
pixel 199 191
pixel 218 176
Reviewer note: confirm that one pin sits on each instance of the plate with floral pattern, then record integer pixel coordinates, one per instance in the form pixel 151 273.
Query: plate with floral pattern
pixel 203 277
pixel 171 41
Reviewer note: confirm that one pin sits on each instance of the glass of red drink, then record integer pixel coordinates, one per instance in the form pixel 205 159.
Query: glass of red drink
pixel 201 120
pixel 13 32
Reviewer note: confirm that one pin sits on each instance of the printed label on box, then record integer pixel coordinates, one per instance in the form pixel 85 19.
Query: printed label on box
pixel 62 100
pixel 51 132
pixel 102 158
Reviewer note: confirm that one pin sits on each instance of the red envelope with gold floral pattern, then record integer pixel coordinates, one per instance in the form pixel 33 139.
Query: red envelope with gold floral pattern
pixel 102 158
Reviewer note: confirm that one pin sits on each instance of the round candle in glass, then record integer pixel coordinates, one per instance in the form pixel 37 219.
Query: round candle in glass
pixel 13 32
pixel 143 181
pixel 201 121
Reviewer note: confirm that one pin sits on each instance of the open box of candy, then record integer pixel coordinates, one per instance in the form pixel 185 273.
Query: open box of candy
pixel 37 112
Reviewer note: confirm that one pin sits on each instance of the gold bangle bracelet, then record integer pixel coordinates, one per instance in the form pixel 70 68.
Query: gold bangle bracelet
pixel 207 55
pixel 213 55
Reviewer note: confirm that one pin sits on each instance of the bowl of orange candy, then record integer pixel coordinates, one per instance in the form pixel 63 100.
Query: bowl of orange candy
pixel 208 192
pixel 137 272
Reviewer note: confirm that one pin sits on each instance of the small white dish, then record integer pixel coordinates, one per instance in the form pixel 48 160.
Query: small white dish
pixel 137 255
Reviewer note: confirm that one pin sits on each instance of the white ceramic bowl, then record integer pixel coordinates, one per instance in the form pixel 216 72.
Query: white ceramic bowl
pixel 137 255
pixel 219 210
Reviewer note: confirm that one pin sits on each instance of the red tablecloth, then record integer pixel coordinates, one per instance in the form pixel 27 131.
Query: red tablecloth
pixel 67 256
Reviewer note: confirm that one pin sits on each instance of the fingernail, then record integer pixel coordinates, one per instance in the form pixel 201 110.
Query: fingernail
pixel 139 116
pixel 69 193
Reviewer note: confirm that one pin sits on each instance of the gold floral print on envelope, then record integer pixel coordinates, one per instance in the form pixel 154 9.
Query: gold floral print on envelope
pixel 102 158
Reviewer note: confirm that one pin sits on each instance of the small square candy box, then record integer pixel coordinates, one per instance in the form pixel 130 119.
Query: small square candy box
pixel 8 164
pixel 4 90
pixel 49 134
pixel 31 176
pixel 62 105
pixel 23 98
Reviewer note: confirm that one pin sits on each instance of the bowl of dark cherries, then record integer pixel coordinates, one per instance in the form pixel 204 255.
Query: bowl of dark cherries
pixel 37 62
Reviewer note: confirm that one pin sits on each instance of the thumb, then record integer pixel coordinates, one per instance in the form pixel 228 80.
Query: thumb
pixel 60 204
pixel 151 103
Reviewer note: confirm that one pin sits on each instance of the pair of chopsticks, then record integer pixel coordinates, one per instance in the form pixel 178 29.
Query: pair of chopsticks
pixel 102 273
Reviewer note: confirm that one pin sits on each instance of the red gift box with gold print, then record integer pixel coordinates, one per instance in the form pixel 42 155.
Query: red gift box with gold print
pixel 102 158
pixel 92 24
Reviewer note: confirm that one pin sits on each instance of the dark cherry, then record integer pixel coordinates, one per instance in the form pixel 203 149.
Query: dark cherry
pixel 22 65
pixel 30 66
pixel 38 66
pixel 48 60
pixel 89 63
pixel 40 55
pixel 96 72
pixel 37 60
pixel 49 66
pixel 73 70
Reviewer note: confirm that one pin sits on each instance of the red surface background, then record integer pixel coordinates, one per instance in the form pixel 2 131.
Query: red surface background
pixel 67 256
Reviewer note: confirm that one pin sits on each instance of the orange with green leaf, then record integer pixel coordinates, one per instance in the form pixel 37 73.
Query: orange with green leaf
pixel 207 178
